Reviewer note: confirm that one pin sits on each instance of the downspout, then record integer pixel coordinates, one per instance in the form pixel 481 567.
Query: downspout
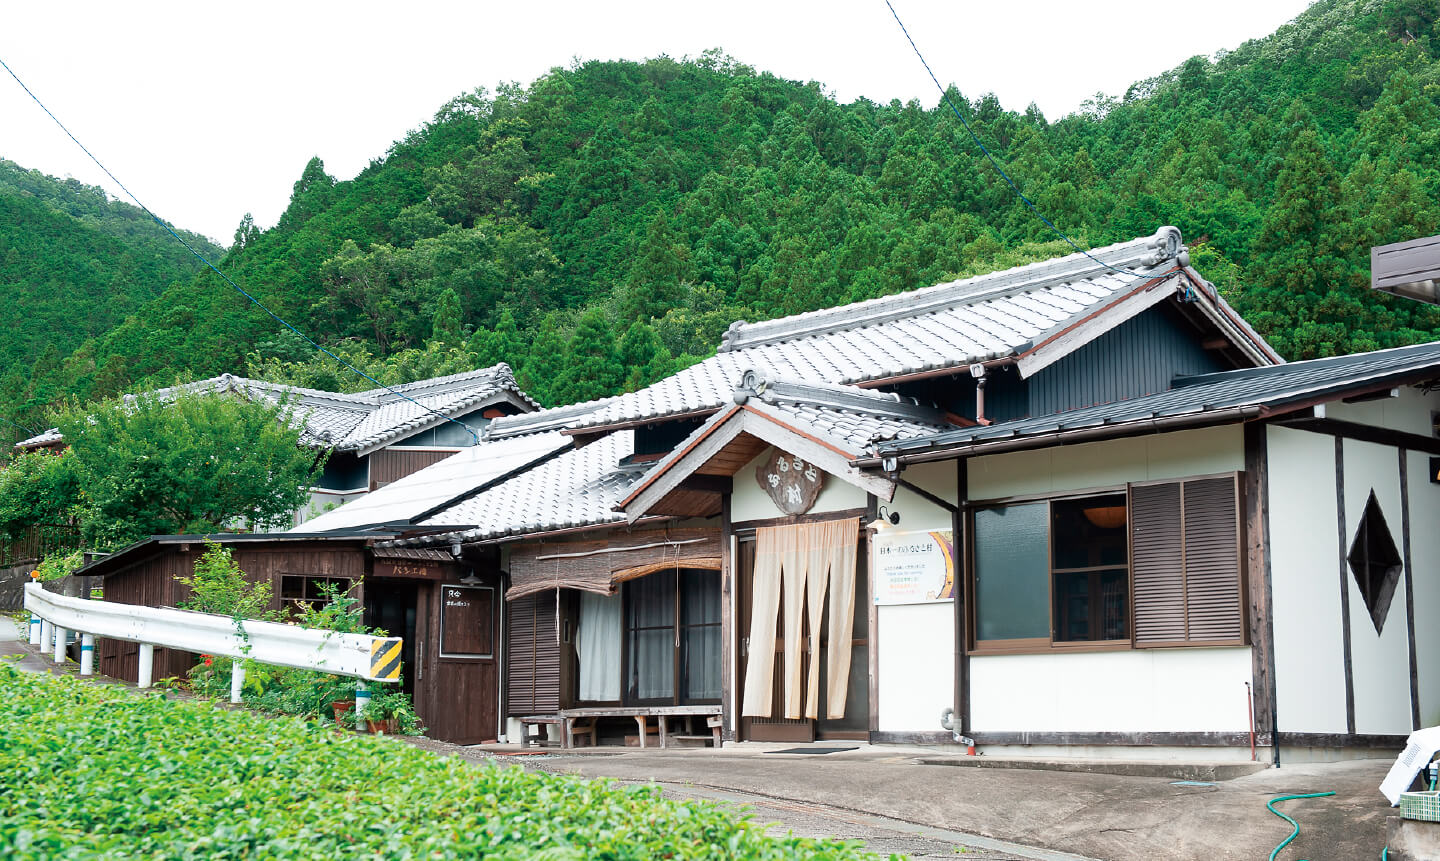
pixel 978 372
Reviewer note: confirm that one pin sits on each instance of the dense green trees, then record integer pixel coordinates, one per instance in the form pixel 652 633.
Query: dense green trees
pixel 192 463
pixel 603 226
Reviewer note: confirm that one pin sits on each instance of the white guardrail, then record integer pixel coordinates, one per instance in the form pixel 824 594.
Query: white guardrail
pixel 361 656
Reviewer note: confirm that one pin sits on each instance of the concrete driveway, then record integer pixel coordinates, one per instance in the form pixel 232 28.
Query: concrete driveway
pixel 895 791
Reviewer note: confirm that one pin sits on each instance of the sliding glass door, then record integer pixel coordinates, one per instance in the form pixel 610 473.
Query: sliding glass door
pixel 672 638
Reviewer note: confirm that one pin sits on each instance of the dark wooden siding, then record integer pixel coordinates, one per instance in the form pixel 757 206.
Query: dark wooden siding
pixel 533 659
pixel 151 582
pixel 390 465
pixel 1141 356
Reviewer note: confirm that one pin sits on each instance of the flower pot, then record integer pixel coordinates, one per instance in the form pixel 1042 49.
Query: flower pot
pixel 384 725
pixel 340 707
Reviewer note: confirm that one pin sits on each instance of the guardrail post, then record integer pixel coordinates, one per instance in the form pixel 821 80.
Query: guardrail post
pixel 147 665
pixel 59 645
pixel 237 680
pixel 46 631
pixel 362 699
pixel 34 630
pixel 87 654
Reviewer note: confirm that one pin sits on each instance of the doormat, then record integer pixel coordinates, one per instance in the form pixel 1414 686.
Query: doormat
pixel 815 750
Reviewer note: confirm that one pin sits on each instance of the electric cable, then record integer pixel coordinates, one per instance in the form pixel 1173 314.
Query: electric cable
pixel 1296 833
pixel 18 425
pixel 993 162
pixel 203 259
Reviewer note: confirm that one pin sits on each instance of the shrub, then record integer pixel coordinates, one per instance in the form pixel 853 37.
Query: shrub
pixel 99 772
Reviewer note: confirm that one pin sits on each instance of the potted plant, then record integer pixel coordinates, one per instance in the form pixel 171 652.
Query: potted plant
pixel 382 714
pixel 389 711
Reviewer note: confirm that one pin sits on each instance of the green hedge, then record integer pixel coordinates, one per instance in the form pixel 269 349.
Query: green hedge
pixel 88 771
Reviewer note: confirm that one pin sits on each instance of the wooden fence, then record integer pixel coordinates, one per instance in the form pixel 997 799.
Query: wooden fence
pixel 37 543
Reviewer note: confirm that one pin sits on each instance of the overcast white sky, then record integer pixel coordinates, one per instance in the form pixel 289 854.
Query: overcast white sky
pixel 210 110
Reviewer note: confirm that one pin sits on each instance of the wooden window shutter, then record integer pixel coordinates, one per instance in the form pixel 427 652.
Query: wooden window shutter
pixel 533 661
pixel 1212 561
pixel 1185 562
pixel 1156 551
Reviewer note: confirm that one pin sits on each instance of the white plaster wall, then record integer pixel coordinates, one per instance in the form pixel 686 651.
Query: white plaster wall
pixel 1305 582
pixel 1145 690
pixel 1425 559
pixel 1409 412
pixel 916 642
pixel 916 665
pixel 1107 463
pixel 749 502
pixel 1381 662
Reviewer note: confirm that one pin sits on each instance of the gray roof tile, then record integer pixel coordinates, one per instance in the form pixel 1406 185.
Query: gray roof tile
pixel 946 326
pixel 1194 396
pixel 432 487
pixel 578 487
pixel 365 420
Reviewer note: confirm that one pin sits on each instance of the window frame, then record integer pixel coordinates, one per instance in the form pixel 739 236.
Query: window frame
pixel 1050 645
pixel 1031 645
pixel 677 629
pixel 291 606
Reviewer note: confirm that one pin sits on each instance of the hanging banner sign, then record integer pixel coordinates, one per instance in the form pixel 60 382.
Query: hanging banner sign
pixel 913 567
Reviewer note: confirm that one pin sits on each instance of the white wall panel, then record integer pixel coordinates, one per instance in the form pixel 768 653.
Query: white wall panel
pixel 1305 582
pixel 1146 690
pixel 916 642
pixel 1101 464
pixel 1409 412
pixel 1381 662
pixel 916 665
pixel 1425 557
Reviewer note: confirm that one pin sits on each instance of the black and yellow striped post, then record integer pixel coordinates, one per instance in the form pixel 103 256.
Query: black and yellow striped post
pixel 385 660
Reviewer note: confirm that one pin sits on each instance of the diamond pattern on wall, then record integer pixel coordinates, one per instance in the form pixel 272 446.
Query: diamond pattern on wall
pixel 1375 562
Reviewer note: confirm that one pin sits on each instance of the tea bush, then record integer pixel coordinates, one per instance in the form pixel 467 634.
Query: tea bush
pixel 88 771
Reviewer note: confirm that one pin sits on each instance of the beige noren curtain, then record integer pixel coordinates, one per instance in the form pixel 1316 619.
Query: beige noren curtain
pixel 807 560
pixel 764 607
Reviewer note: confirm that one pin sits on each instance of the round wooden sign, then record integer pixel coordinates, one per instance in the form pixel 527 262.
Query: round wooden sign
pixel 792 484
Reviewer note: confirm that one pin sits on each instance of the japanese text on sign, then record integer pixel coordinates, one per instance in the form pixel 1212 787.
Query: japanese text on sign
pixel 914 567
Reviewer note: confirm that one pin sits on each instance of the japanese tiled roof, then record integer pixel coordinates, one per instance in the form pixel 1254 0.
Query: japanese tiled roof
pixel 1209 397
pixel 857 419
pixel 363 421
pixel 578 487
pixel 950 325
pixel 466 472
pixel 40 440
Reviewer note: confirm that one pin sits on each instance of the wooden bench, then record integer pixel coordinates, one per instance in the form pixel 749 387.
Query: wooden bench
pixel 532 729
pixel 582 721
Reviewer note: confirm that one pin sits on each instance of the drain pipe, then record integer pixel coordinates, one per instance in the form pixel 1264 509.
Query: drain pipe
pixel 949 721
pixel 977 371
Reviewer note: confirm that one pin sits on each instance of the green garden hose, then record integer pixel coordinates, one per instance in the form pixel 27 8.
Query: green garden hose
pixel 1271 804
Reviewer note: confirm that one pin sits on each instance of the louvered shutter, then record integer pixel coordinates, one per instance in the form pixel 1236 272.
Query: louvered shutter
pixel 533 656
pixel 1212 561
pixel 1185 561
pixel 1157 562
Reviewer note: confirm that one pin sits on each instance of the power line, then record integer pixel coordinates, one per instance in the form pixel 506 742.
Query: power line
pixel 18 425
pixel 202 258
pixel 993 162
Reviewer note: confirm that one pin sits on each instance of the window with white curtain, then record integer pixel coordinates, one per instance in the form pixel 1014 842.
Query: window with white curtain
pixel 597 644
pixel 672 637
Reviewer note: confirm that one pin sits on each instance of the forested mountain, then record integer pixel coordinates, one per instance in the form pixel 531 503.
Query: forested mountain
pixel 73 264
pixel 608 221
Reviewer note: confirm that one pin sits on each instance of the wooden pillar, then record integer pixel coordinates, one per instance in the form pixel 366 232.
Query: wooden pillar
pixel 1257 576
